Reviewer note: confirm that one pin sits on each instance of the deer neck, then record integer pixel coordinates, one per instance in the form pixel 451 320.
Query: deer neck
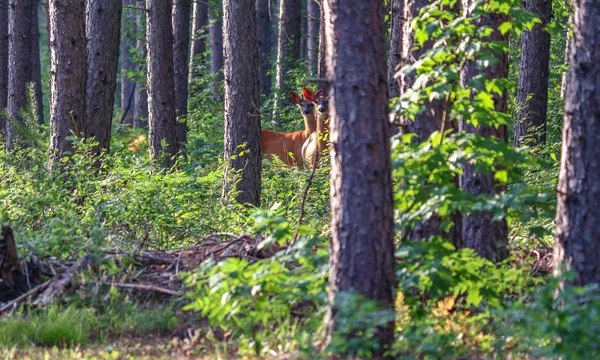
pixel 310 123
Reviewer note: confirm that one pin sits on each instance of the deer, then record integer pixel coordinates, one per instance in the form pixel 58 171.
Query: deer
pixel 317 142
pixel 281 144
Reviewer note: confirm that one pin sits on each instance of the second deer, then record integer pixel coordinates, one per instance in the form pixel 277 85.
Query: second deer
pixel 318 141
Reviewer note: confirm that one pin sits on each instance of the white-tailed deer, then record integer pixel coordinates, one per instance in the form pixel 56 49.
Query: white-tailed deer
pixel 281 144
pixel 318 141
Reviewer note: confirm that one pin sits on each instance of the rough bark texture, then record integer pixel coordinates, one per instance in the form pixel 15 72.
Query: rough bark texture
pixel 161 103
pixel 532 92
pixel 140 110
pixel 242 101
pixel 182 10
pixel 578 209
pixel 323 54
pixel 36 70
pixel 288 47
pixel 395 54
pixel 216 44
pixel 263 21
pixel 199 24
pixel 103 27
pixel 19 62
pixel 3 64
pixel 312 34
pixel 127 65
pixel 67 73
pixel 488 238
pixel 362 247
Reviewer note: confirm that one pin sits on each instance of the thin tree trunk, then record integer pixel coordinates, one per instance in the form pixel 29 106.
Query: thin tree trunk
pixel 103 27
pixel 312 34
pixel 3 65
pixel 127 65
pixel 532 91
pixel 161 103
pixel 323 53
pixel 182 10
pixel 216 47
pixel 264 44
pixel 242 101
pixel 199 24
pixel 19 63
pixel 140 109
pixel 396 40
pixel 568 45
pixel 577 244
pixel 36 70
pixel 362 247
pixel 67 74
pixel 303 28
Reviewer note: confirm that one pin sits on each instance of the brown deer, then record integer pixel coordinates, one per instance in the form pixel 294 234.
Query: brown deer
pixel 318 141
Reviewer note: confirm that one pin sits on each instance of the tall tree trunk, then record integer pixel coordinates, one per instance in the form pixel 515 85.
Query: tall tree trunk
pixel 565 80
pixel 3 65
pixel 140 110
pixel 263 20
pixel 242 101
pixel 67 74
pixel 161 103
pixel 199 24
pixel 322 53
pixel 312 34
pixel 182 10
pixel 216 47
pixel 19 62
pixel 103 27
pixel 127 65
pixel 479 232
pixel 578 209
pixel 362 247
pixel 303 27
pixel 288 47
pixel 396 40
pixel 36 69
pixel 532 92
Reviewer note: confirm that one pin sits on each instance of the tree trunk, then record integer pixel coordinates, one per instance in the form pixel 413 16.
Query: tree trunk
pixel 578 209
pixel 140 110
pixel 323 84
pixel 67 74
pixel 242 101
pixel 36 70
pixel 216 46
pixel 199 24
pixel 488 238
pixel 565 80
pixel 182 10
pixel 263 20
pixel 362 248
pixel 103 27
pixel 127 65
pixel 396 40
pixel 19 63
pixel 312 35
pixel 532 92
pixel 3 65
pixel 288 47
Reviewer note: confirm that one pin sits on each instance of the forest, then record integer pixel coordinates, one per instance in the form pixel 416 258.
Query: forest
pixel 300 179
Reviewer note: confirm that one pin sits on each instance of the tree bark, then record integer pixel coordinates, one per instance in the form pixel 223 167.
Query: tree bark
pixel 565 80
pixel 263 20
pixel 577 244
pixel 19 63
pixel 532 91
pixel 103 27
pixel 362 247
pixel 67 74
pixel 127 65
pixel 36 69
pixel 312 34
pixel 488 238
pixel 324 84
pixel 216 46
pixel 396 39
pixel 242 101
pixel 199 24
pixel 3 65
pixel 182 10
pixel 140 109
pixel 161 103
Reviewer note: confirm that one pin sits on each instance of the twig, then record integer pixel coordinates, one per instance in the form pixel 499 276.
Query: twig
pixel 305 194
pixel 23 297
pixel 145 287
pixel 128 103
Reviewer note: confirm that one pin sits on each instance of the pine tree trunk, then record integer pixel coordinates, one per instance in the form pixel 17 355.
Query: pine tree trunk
pixel 103 27
pixel 161 102
pixel 67 73
pixel 127 65
pixel 264 44
pixel 140 110
pixel 362 247
pixel 313 27
pixel 322 53
pixel 3 65
pixel 216 46
pixel 19 63
pixel 568 45
pixel 577 244
pixel 199 24
pixel 532 91
pixel 36 70
pixel 182 10
pixel 396 39
pixel 242 101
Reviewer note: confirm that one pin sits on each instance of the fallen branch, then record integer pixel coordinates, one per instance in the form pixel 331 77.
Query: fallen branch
pixel 59 284
pixel 15 302
pixel 145 287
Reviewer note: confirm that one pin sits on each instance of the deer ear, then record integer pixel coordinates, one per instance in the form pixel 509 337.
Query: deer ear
pixel 308 95
pixel 318 93
pixel 294 97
